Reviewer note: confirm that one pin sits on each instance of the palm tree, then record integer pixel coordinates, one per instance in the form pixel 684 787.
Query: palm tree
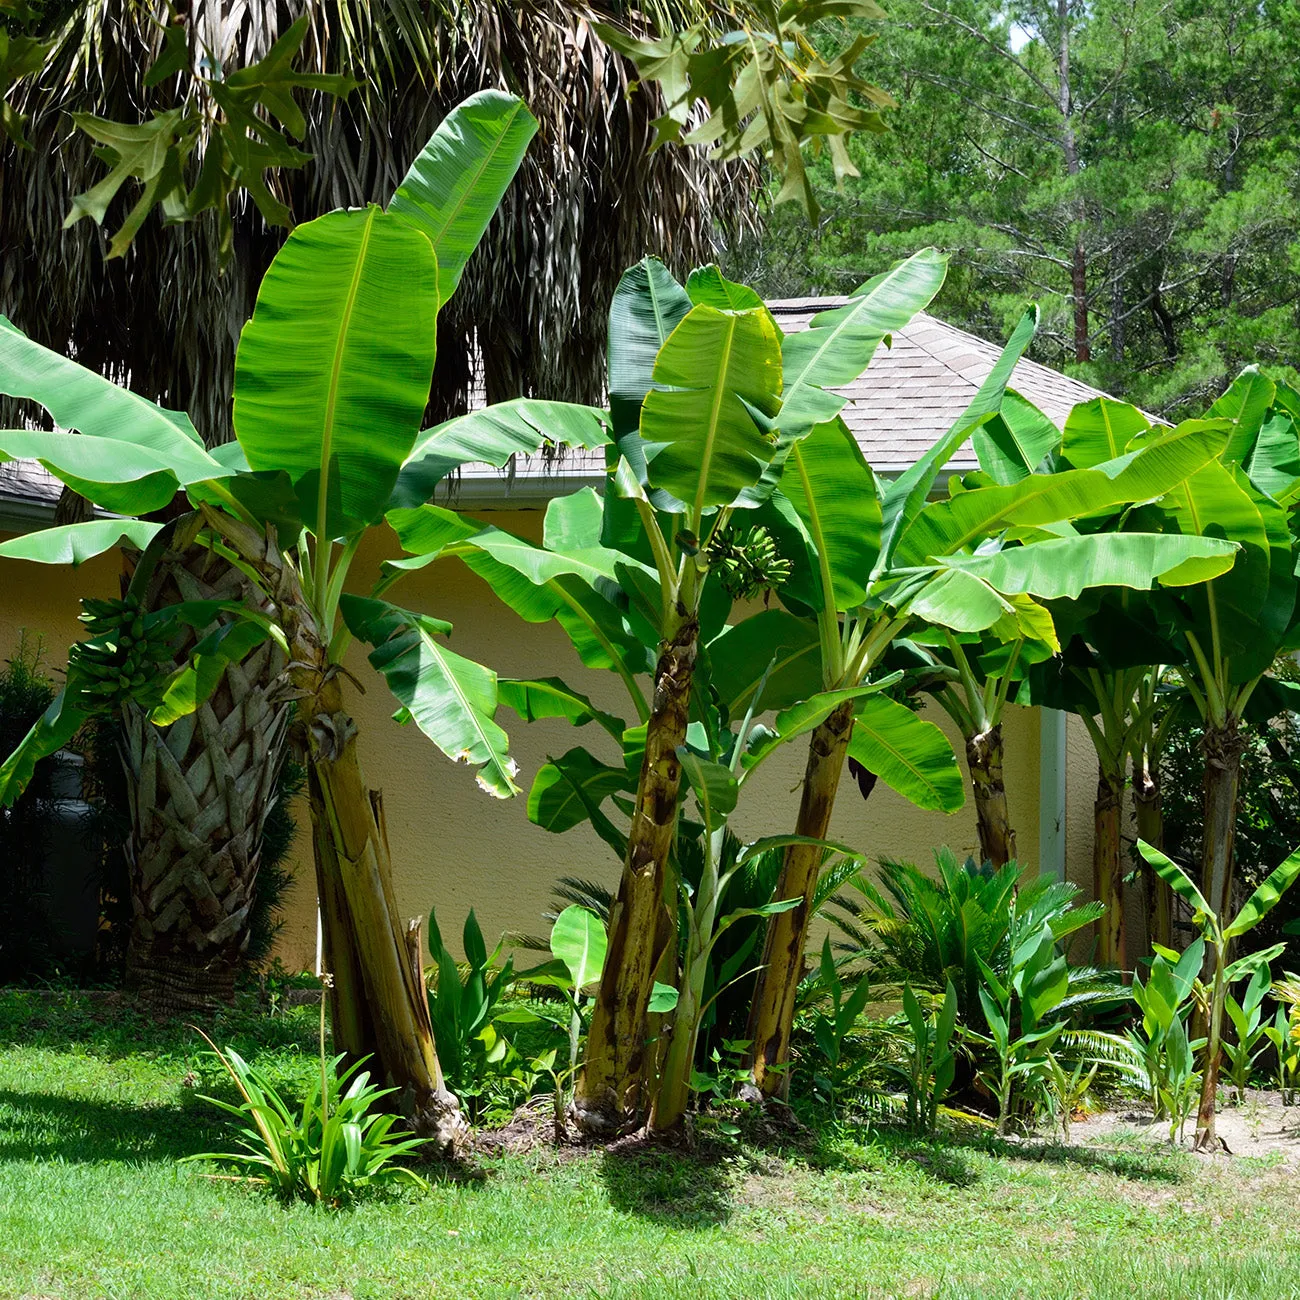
pixel 528 318
pixel 590 200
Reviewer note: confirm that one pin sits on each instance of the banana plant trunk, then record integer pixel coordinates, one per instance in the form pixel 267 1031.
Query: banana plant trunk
pixel 772 1016
pixel 379 1001
pixel 1148 807
pixel 1107 869
pixel 1223 747
pixel 997 838
pixel 611 1091
pixel 199 792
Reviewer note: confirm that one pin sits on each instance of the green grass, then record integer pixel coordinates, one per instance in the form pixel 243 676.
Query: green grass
pixel 96 1106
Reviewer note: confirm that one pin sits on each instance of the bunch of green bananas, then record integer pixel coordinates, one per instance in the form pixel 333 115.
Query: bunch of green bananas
pixel 748 563
pixel 120 661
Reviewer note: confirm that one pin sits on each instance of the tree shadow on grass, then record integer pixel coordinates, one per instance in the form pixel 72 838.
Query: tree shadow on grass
pixel 672 1188
pixel 948 1154
pixel 52 1126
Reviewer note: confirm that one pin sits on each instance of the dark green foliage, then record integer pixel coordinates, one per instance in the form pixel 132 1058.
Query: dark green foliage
pixel 461 1007
pixel 1268 815
pixel 1177 213
pixel 25 949
pixel 929 931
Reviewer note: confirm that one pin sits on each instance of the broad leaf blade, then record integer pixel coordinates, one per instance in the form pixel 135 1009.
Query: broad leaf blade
pixel 330 381
pixel 450 698
pixel 456 184
pixel 908 753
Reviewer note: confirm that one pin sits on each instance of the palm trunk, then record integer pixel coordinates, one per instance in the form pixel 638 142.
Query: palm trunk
pixel 1107 870
pixel 379 999
pixel 199 793
pixel 610 1094
pixel 772 1016
pixel 1223 747
pixel 1148 804
pixel 984 759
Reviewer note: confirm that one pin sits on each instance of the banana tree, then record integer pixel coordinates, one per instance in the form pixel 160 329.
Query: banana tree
pixel 332 378
pixel 1233 628
pixel 878 563
pixel 1219 933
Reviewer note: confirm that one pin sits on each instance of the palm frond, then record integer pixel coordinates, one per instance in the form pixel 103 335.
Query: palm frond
pixel 529 317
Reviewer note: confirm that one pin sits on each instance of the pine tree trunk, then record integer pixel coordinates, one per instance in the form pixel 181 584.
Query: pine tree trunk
pixel 772 1016
pixel 1107 869
pixel 199 793
pixel 379 999
pixel 984 759
pixel 1148 804
pixel 611 1094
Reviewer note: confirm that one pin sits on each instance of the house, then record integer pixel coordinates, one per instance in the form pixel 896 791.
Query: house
pixel 455 847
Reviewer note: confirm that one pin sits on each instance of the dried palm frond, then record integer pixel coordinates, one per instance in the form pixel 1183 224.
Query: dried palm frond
pixel 589 200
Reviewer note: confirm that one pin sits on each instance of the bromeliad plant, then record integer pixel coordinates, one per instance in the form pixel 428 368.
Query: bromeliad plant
pixel 1218 934
pixel 332 378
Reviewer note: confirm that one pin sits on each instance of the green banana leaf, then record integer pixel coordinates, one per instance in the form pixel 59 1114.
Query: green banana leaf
pixel 330 381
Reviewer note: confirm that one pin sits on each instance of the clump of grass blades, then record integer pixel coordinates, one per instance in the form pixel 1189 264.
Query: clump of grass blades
pixel 337 1149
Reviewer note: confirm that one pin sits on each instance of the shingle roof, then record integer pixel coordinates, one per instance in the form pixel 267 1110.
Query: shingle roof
pixel 912 392
pixel 910 395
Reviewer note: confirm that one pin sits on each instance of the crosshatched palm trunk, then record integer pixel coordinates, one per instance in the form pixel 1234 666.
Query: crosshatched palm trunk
pixel 199 793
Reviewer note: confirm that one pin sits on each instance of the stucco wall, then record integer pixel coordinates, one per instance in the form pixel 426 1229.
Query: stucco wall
pixel 455 847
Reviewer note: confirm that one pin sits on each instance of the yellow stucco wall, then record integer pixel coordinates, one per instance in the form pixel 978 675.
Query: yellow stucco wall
pixel 455 847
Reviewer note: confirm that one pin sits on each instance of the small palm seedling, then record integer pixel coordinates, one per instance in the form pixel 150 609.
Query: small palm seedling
pixel 336 1149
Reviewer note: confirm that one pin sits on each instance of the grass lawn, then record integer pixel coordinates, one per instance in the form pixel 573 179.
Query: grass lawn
pixel 96 1106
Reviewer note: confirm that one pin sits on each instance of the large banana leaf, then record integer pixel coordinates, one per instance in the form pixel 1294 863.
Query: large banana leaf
pixel 570 789
pixel 118 476
pixel 1246 611
pixel 454 186
pixel 1064 567
pixel 75 543
pixel 330 380
pixel 450 698
pixel 1163 463
pixel 491 436
pixel 48 734
pixel 773 643
pixel 1245 405
pixel 549 697
pixel 832 489
pixel 1012 442
pixel 721 373
pixel 907 753
pixel 82 399
pixel 1100 430
pixel 838 344
pixel 908 492
pixel 536 582
pixel 647 306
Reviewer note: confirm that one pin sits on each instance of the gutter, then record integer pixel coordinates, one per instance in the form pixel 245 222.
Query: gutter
pixel 1051 793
